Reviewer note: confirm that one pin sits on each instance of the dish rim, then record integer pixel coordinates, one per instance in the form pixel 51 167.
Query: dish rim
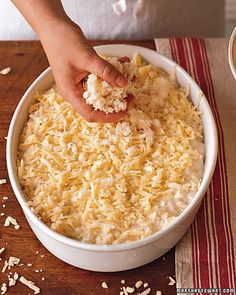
pixel 113 247
pixel 232 40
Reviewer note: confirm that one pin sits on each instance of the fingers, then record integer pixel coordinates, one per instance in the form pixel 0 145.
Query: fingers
pixel 73 94
pixel 107 72
pixel 130 101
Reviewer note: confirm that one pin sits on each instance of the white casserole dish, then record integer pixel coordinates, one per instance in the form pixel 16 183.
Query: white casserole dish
pixel 121 256
pixel 231 48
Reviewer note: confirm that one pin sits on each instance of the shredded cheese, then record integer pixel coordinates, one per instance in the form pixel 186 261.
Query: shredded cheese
pixel 5 71
pixel 172 281
pixel 30 285
pixel 12 280
pixel 116 182
pixel 138 284
pixel 130 290
pixel 3 181
pixel 3 289
pixel 146 292
pixel 104 285
pixel 105 97
pixel 12 261
pixel 10 220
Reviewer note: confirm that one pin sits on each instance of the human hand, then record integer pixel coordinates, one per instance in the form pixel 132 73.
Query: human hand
pixel 72 58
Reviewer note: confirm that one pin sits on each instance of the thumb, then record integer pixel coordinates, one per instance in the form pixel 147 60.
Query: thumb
pixel 107 72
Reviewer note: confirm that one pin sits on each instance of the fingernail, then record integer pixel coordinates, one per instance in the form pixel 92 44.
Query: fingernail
pixel 121 81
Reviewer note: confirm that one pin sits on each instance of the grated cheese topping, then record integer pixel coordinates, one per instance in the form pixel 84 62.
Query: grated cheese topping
pixel 105 97
pixel 116 182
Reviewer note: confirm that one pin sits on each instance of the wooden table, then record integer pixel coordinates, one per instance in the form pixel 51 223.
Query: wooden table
pixel 27 60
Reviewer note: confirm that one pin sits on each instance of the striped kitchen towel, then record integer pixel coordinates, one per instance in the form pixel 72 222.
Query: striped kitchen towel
pixel 205 257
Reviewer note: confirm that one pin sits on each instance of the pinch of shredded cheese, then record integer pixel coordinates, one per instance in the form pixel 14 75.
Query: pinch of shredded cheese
pixel 105 97
pixel 116 182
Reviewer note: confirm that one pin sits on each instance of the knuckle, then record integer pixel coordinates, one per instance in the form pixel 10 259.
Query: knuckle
pixel 109 72
pixel 89 56
pixel 89 118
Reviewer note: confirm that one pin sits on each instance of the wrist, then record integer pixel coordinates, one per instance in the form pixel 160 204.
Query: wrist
pixel 59 28
pixel 52 26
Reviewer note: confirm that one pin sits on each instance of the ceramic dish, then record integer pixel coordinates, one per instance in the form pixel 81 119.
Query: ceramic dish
pixel 120 256
pixel 232 53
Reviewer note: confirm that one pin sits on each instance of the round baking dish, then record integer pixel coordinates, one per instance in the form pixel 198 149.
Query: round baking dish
pixel 232 53
pixel 120 256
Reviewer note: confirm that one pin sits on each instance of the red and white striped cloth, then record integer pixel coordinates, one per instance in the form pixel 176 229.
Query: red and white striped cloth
pixel 205 257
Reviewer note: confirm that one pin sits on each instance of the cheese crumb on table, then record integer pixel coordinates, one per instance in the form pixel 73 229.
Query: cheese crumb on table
pixel 172 281
pixel 122 281
pixel 3 289
pixel 2 250
pixel 12 261
pixel 3 181
pixel 105 97
pixel 5 71
pixel 138 284
pixel 12 280
pixel 10 220
pixel 158 293
pixel 130 290
pixel 146 292
pixel 5 266
pixel 104 285
pixel 30 285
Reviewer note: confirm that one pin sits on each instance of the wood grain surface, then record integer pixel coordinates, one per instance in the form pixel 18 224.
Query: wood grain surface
pixel 27 60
